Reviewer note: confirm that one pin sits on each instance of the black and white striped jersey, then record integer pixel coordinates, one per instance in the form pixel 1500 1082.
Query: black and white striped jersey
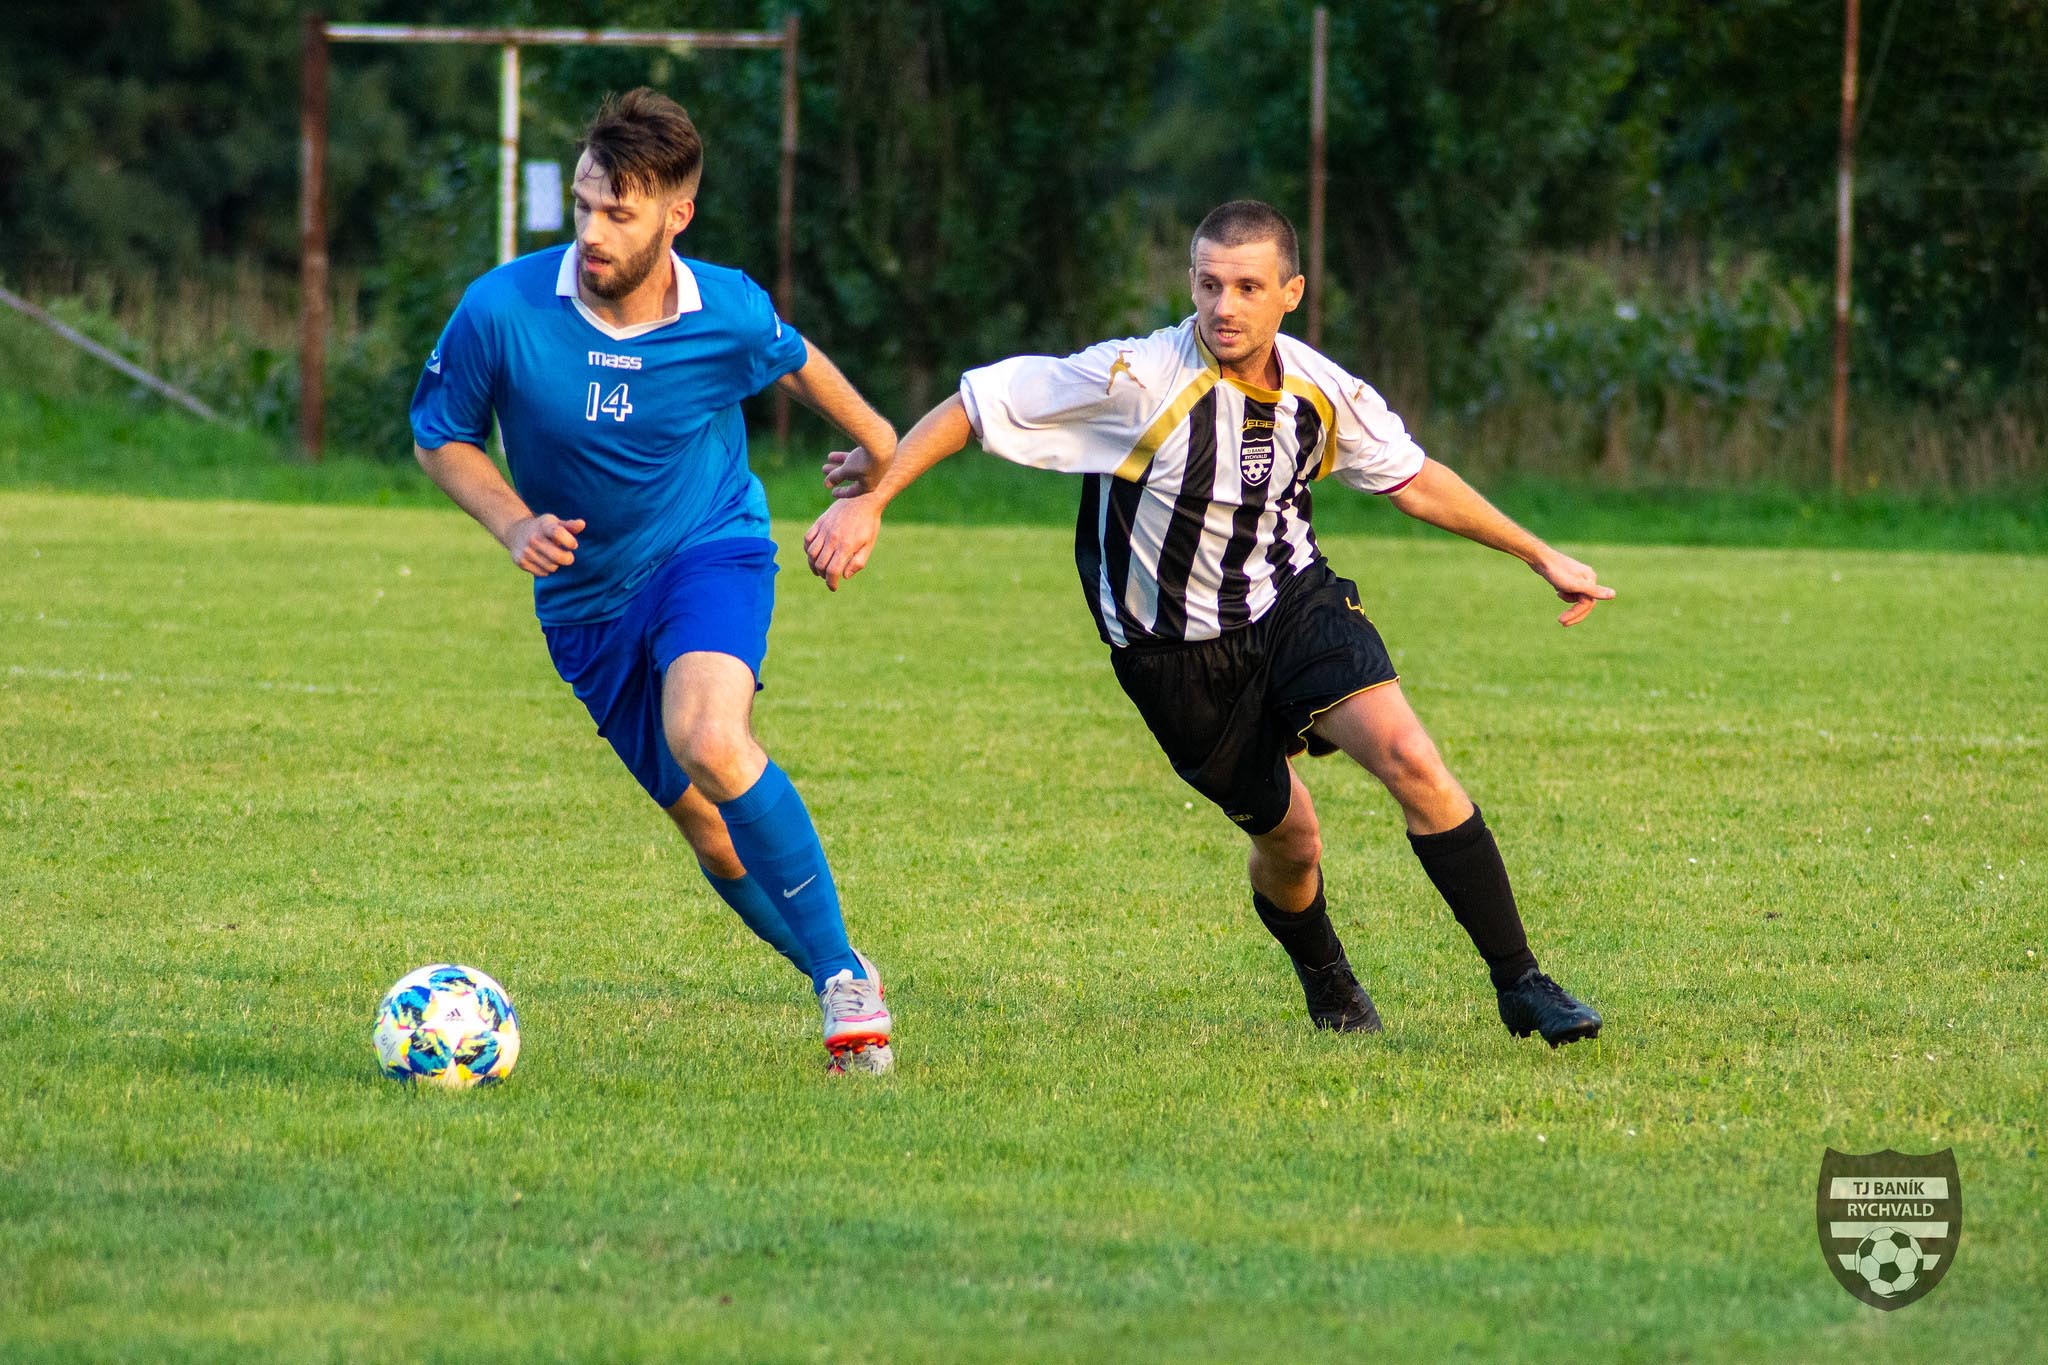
pixel 1195 508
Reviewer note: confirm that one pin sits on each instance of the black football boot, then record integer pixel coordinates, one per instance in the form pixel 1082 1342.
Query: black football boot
pixel 1336 1000
pixel 1536 1004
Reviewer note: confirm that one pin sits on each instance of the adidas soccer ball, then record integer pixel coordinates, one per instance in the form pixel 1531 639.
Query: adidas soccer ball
pixel 447 1025
pixel 1889 1261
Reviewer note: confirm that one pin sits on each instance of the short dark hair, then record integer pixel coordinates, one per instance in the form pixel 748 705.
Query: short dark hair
pixel 646 143
pixel 1243 221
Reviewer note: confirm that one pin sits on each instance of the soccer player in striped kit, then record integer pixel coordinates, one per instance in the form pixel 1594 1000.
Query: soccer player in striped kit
pixel 1227 628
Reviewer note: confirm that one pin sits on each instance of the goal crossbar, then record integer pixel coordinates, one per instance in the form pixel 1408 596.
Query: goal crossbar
pixel 754 39
pixel 313 160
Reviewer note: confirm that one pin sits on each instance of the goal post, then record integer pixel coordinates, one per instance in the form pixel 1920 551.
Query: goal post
pixel 319 34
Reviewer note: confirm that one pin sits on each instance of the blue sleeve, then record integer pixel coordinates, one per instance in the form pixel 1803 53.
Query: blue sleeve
pixel 774 347
pixel 453 400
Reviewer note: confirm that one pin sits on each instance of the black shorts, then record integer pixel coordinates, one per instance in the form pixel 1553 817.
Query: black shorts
pixel 1230 712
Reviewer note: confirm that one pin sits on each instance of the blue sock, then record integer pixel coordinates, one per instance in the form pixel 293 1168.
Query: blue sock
pixel 775 839
pixel 758 913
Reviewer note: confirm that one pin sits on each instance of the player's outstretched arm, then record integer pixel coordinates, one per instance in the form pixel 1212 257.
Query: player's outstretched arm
pixel 1438 496
pixel 537 544
pixel 820 386
pixel 839 542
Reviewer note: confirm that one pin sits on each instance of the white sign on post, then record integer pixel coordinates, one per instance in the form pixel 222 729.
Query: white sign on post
pixel 543 196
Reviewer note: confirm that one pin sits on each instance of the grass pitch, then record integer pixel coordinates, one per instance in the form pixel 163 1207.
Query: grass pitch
pixel 1776 813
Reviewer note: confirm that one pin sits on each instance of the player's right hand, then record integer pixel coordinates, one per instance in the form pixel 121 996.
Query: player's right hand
pixel 1575 583
pixel 540 545
pixel 841 539
pixel 850 473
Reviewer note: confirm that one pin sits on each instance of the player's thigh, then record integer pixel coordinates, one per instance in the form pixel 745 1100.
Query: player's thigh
pixel 1325 651
pixel 1205 704
pixel 603 664
pixel 707 703
pixel 1380 730
pixel 707 637
pixel 713 599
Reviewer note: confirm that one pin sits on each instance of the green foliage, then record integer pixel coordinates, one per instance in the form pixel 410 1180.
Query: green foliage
pixel 969 209
pixel 152 137
pixel 129 445
pixel 442 231
pixel 1742 339
pixel 1952 170
pixel 979 179
pixel 233 370
pixel 1450 128
pixel 1467 138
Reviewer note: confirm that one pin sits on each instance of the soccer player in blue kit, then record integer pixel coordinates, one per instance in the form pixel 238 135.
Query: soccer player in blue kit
pixel 615 369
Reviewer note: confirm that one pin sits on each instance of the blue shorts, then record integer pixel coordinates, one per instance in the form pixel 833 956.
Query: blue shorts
pixel 716 597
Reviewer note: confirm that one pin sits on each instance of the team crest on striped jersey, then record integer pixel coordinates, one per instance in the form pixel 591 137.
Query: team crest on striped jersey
pixel 1255 446
pixel 1889 1222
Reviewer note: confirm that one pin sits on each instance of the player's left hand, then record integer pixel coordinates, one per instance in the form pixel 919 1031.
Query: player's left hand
pixel 1575 583
pixel 841 539
pixel 850 473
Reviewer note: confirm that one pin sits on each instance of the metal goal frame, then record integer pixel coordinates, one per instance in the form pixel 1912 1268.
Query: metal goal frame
pixel 319 35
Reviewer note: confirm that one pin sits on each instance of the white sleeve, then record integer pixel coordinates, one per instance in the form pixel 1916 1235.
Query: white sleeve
pixel 1077 414
pixel 1371 449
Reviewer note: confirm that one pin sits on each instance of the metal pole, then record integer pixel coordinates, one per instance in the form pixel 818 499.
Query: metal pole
pixel 752 40
pixel 785 210
pixel 313 156
pixel 313 238
pixel 1838 443
pixel 508 153
pixel 1318 174
pixel 99 352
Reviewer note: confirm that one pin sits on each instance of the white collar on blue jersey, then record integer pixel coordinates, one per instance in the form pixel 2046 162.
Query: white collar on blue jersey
pixel 688 299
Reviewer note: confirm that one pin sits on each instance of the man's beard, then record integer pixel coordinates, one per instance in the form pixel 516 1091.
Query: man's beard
pixel 625 276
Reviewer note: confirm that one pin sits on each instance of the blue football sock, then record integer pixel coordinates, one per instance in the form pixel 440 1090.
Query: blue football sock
pixel 758 913
pixel 774 837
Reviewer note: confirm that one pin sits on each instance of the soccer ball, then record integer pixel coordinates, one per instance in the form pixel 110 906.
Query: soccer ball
pixel 447 1025
pixel 1889 1261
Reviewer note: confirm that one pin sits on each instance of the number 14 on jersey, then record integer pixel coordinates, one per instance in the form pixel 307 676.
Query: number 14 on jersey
pixel 614 404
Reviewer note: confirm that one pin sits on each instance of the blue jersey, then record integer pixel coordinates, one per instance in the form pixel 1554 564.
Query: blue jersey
pixel 636 430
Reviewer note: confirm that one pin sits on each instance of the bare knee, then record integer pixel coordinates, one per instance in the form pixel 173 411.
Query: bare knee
pixel 1410 763
pixel 1291 849
pixel 1413 771
pixel 721 758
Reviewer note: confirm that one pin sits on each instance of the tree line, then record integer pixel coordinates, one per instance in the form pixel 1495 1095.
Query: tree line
pixel 1513 186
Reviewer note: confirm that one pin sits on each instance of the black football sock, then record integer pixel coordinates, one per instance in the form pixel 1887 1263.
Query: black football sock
pixel 1464 863
pixel 1307 935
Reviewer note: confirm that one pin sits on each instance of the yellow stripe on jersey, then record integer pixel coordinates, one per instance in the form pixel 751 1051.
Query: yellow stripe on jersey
pixel 1301 388
pixel 1134 465
pixel 1245 386
pixel 1254 392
